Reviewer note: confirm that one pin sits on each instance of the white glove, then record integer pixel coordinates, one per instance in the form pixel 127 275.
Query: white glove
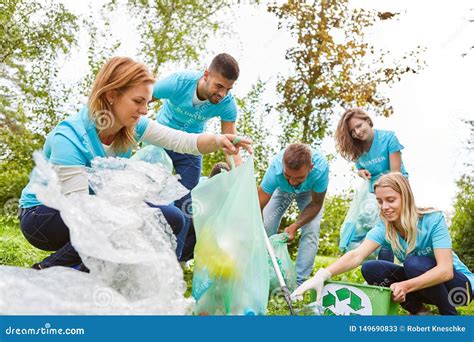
pixel 315 283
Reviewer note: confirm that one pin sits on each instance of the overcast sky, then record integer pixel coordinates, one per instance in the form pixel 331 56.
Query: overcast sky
pixel 428 106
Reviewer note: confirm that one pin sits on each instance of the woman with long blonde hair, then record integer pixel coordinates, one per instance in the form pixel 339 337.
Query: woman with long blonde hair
pixel 110 125
pixel 430 273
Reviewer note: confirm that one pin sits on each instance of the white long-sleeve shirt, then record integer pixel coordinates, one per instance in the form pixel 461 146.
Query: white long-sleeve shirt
pixel 73 179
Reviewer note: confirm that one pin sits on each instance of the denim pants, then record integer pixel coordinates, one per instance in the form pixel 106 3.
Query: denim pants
pixel 188 166
pixel 309 241
pixel 44 228
pixel 385 254
pixel 444 295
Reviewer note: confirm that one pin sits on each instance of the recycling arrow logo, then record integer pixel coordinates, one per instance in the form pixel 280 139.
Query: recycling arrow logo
pixel 341 299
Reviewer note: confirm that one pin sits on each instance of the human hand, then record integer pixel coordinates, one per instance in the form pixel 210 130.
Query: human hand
pixel 291 231
pixel 364 174
pixel 231 143
pixel 314 283
pixel 399 291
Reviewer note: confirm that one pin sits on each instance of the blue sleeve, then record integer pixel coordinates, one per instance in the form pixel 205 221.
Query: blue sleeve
pixel 439 231
pixel 166 87
pixel 358 166
pixel 393 144
pixel 321 184
pixel 377 234
pixel 141 127
pixel 230 112
pixel 269 183
pixel 65 152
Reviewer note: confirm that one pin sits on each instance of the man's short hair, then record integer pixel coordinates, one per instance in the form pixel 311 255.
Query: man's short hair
pixel 218 167
pixel 226 65
pixel 297 155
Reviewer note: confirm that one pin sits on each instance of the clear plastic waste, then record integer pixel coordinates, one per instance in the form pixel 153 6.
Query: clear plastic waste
pixel 230 259
pixel 311 309
pixel 287 267
pixel 154 155
pixel 127 246
pixel 362 216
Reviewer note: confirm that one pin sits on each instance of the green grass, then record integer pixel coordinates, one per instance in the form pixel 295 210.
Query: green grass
pixel 16 251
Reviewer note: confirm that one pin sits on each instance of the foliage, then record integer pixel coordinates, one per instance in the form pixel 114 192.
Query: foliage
pixel 334 66
pixel 251 123
pixel 173 31
pixel 335 210
pixel 463 221
pixel 32 35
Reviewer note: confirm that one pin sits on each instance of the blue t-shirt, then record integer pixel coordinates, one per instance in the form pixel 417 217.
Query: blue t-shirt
pixel 377 159
pixel 178 112
pixel 317 179
pixel 74 142
pixel 432 233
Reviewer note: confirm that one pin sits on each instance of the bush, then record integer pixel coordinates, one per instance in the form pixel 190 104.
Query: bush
pixel 462 222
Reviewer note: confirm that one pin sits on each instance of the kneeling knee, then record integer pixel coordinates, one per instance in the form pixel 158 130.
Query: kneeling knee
pixel 369 269
pixel 416 265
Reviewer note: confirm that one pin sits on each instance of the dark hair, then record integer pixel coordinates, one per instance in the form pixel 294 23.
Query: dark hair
pixel 226 65
pixel 296 155
pixel 218 167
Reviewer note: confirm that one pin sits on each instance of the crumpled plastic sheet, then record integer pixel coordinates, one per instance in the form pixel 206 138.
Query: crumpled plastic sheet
pixel 127 246
pixel 368 215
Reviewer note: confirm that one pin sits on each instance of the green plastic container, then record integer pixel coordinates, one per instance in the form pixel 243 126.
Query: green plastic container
pixel 340 298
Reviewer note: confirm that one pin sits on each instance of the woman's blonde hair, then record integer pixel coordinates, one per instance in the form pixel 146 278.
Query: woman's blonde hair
pixel 349 148
pixel 410 213
pixel 119 74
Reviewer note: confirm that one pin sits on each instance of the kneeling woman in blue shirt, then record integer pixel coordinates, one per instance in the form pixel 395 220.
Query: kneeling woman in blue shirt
pixel 109 126
pixel 430 273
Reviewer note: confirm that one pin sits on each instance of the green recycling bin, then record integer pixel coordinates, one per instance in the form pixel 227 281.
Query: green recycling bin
pixel 341 298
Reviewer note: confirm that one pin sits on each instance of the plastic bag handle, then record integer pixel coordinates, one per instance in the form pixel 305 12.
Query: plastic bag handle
pixel 236 140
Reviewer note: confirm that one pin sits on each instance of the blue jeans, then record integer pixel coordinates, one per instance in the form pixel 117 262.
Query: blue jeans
pixel 444 295
pixel 44 228
pixel 189 167
pixel 309 241
pixel 385 254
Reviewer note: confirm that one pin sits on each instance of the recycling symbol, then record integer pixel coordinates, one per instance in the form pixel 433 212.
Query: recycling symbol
pixel 341 299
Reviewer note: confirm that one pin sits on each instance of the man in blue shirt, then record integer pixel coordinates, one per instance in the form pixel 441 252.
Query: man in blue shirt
pixel 300 173
pixel 190 99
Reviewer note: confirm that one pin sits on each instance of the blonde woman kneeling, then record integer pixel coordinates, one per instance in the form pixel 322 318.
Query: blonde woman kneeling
pixel 431 272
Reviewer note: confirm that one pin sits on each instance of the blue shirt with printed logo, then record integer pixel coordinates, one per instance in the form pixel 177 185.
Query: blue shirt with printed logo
pixel 178 112
pixel 74 142
pixel 377 159
pixel 432 233
pixel 317 179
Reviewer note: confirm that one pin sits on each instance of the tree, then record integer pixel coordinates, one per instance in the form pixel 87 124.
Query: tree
pixel 334 66
pixel 335 210
pixel 32 35
pixel 251 123
pixel 462 222
pixel 173 31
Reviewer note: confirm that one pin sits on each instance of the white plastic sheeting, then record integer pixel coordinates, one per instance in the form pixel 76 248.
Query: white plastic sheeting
pixel 128 247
